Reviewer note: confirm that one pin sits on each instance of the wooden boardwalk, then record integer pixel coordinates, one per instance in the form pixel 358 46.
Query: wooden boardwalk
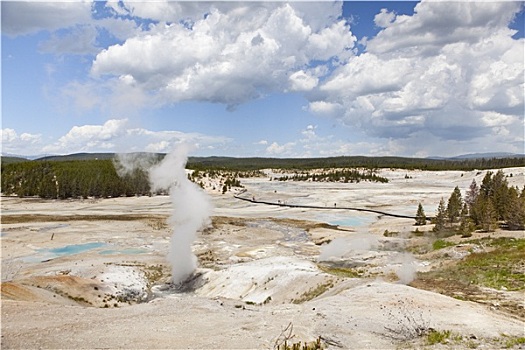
pixel 282 204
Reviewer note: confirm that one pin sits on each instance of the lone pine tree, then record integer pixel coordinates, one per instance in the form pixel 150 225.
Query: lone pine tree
pixel 421 218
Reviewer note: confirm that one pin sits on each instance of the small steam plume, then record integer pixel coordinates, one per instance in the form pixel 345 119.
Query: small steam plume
pixel 191 210
pixel 342 247
pixel 358 247
pixel 407 270
pixel 127 163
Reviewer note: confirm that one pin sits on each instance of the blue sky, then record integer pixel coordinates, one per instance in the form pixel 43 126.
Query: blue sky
pixel 277 79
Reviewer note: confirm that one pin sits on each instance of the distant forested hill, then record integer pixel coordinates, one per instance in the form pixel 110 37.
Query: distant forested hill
pixel 78 156
pixel 9 159
pixel 353 162
pixel 466 162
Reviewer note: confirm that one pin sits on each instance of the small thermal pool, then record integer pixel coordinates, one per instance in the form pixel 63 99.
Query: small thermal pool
pixel 126 251
pixel 348 220
pixel 75 248
pixel 46 254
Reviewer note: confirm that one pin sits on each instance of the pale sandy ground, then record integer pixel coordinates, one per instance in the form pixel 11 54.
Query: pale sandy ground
pixel 258 269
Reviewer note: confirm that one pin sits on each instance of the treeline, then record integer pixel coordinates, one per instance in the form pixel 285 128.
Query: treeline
pixel 340 175
pixel 97 178
pixel 228 163
pixel 486 206
pixel 71 179
pixel 257 163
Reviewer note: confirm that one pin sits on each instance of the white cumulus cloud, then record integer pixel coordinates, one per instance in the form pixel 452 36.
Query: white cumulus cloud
pixel 235 53
pixel 282 150
pixel 302 81
pixel 23 144
pixel 116 135
pixel 451 70
pixel 86 137
pixel 436 24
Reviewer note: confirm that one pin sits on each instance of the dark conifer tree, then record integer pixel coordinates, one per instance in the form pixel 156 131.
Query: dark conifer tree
pixel 486 214
pixel 441 217
pixel 466 225
pixel 500 192
pixel 421 218
pixel 454 205
pixel 472 194
pixel 515 214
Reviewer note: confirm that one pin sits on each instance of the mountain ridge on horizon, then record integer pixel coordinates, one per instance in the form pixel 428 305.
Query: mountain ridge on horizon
pixel 109 155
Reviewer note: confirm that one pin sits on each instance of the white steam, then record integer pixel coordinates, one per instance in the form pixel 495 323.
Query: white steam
pixel 126 163
pixel 191 210
pixel 366 249
pixel 348 246
pixel 407 269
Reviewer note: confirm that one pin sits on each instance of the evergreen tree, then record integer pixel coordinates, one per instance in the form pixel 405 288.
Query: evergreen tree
pixel 454 205
pixel 500 192
pixel 421 218
pixel 466 225
pixel 515 215
pixel 486 214
pixel 47 188
pixel 441 217
pixel 471 195
pixel 486 188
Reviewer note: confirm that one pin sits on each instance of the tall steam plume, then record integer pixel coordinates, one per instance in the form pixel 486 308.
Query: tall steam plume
pixel 191 210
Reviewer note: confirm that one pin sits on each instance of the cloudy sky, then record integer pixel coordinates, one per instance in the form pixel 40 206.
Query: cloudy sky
pixel 297 79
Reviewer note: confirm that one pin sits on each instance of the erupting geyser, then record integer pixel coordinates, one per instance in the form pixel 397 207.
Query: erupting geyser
pixel 191 210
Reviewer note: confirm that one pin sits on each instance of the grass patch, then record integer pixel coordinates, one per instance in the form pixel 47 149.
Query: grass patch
pixel 510 342
pixel 500 266
pixel 501 242
pixel 440 244
pixel 313 292
pixel 341 271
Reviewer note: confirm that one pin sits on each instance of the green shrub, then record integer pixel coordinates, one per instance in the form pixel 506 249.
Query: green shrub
pixel 437 337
